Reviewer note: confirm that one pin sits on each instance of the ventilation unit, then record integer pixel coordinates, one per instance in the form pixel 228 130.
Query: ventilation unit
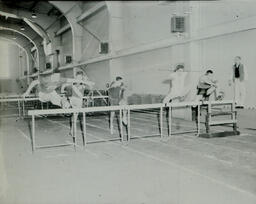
pixel 48 65
pixel 68 59
pixel 103 48
pixel 178 24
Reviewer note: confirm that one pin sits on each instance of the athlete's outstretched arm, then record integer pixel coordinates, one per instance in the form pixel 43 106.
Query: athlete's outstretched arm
pixel 31 86
pixel 88 83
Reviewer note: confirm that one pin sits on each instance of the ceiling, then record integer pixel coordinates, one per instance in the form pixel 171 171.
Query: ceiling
pixel 41 7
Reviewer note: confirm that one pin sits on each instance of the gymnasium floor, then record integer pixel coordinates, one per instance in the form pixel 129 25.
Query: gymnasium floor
pixel 185 169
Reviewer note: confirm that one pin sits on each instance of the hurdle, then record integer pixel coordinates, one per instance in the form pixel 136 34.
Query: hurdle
pixel 20 102
pixel 128 108
pixel 184 105
pixel 34 113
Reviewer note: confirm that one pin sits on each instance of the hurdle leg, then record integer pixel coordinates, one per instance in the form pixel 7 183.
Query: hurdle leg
pixel 74 130
pixel 234 116
pixel 23 109
pixel 161 122
pixel 208 118
pixel 129 125
pixel 121 125
pixel 19 109
pixel 33 133
pixel 170 120
pixel 112 115
pixel 84 129
pixel 198 119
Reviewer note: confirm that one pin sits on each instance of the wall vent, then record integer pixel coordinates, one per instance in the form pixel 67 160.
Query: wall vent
pixel 48 65
pixel 178 24
pixel 103 48
pixel 68 59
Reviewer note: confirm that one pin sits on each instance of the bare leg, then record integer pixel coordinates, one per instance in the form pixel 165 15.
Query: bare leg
pixel 55 98
pixel 124 102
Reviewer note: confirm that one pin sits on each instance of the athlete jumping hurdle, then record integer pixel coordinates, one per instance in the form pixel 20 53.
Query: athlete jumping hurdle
pixel 178 90
pixel 47 86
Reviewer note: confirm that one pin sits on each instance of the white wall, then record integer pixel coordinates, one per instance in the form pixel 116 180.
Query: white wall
pixel 98 73
pixel 146 73
pixel 145 22
pixel 11 62
pixel 142 23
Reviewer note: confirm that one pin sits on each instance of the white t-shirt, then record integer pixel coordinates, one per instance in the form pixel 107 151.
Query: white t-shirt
pixel 178 81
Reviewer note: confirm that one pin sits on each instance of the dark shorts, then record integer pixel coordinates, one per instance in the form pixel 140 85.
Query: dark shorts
pixel 203 92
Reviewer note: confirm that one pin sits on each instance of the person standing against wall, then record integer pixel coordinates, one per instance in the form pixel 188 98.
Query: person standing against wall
pixel 239 76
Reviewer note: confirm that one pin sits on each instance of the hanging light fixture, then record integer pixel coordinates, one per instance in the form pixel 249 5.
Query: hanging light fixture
pixel 33 15
pixel 22 28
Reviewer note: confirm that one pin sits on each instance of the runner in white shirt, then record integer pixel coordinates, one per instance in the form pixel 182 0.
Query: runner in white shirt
pixel 178 89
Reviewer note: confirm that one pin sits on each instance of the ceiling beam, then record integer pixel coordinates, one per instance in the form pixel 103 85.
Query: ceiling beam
pixel 91 11
pixel 84 16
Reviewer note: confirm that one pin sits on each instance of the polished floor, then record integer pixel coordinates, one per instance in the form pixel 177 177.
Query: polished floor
pixel 184 169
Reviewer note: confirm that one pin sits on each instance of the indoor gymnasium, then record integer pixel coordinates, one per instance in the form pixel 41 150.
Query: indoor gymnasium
pixel 132 102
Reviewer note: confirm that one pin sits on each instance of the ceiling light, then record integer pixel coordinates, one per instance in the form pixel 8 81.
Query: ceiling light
pixel 22 28
pixel 34 15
